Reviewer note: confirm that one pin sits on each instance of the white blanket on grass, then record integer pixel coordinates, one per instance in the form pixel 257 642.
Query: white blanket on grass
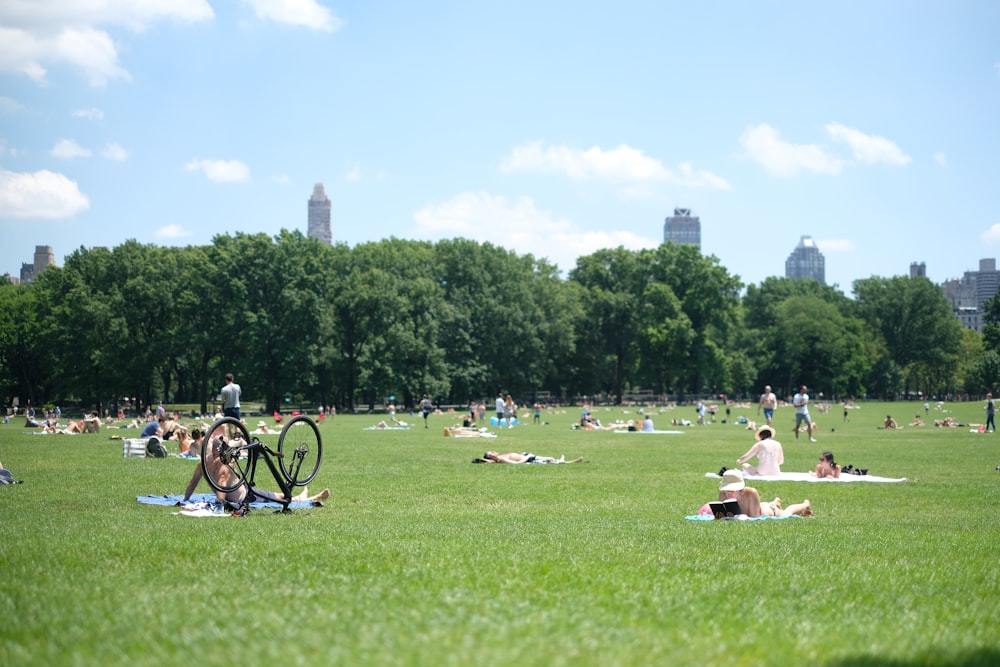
pixel 809 477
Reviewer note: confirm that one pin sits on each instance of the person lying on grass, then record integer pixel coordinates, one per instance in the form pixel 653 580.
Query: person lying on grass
pixel 513 457
pixel 733 486
pixel 827 467
pixel 240 494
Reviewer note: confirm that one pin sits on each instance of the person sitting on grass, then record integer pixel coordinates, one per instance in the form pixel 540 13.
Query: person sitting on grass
pixel 513 457
pixel 769 454
pixel 242 493
pixel 733 486
pixel 890 423
pixel 827 467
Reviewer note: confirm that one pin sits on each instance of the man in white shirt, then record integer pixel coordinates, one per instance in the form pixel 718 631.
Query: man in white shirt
pixel 801 403
pixel 231 397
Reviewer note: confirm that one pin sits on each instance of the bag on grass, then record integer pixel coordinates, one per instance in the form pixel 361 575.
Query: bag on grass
pixel 155 449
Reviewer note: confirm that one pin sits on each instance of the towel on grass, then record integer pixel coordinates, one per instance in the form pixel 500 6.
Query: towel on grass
pixel 647 432
pixel 807 477
pixel 742 517
pixel 209 499
pixel 386 428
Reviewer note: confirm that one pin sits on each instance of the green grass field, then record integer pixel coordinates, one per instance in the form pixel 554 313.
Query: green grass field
pixel 421 558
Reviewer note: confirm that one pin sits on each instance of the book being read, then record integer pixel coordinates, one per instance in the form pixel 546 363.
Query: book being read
pixel 725 509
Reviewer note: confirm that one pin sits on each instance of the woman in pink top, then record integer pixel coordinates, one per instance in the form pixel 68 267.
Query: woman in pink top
pixel 769 454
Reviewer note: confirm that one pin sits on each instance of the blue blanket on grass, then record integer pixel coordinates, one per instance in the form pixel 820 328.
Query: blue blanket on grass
pixel 173 500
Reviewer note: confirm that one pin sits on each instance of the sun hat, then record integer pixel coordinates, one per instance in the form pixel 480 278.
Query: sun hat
pixel 765 427
pixel 732 480
pixel 259 424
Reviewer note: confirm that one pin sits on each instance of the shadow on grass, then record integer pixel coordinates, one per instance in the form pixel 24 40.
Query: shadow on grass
pixel 983 657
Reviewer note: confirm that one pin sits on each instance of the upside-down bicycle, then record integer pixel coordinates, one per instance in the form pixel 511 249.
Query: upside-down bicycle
pixel 229 457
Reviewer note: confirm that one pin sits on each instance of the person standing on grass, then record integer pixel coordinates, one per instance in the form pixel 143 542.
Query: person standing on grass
pixel 768 402
pixel 801 403
pixel 426 407
pixel 231 398
pixel 990 412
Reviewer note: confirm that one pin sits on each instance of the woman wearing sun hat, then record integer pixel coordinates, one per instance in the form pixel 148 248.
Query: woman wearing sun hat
pixel 733 486
pixel 770 455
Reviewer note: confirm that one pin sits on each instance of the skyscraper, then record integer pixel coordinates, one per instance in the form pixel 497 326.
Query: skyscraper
pixel 682 228
pixel 319 215
pixel 806 261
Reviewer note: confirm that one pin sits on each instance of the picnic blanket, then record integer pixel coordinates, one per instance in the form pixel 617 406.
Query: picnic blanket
pixel 742 517
pixel 648 432
pixel 807 477
pixel 209 499
pixel 386 428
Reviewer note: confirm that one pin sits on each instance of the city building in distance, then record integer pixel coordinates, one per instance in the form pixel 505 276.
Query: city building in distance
pixel 44 258
pixel 806 261
pixel 968 295
pixel 319 216
pixel 682 228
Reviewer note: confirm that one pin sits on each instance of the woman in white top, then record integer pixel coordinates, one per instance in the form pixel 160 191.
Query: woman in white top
pixel 769 454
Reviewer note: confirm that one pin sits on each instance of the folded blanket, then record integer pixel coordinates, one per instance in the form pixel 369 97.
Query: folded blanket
pixel 209 499
pixel 808 477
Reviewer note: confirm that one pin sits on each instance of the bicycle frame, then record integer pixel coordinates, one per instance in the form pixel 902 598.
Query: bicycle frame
pixel 257 450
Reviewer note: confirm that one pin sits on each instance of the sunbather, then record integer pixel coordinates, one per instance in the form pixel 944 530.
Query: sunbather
pixel 239 494
pixel 827 467
pixel 513 457
pixel 768 451
pixel 733 486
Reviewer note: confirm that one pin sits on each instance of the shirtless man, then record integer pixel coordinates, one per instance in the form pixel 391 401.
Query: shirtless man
pixel 733 486
pixel 768 402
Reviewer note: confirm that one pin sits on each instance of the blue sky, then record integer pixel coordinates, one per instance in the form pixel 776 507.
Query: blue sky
pixel 554 128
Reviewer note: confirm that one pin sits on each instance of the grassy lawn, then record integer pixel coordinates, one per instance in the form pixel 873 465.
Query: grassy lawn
pixel 421 558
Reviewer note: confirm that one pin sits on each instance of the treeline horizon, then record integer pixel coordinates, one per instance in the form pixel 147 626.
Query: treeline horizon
pixel 299 320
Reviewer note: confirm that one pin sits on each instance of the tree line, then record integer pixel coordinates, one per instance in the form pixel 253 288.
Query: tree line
pixel 302 321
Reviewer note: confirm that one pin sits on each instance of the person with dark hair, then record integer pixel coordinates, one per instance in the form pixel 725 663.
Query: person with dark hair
pixel 426 407
pixel 827 467
pixel 990 414
pixel 768 451
pixel 231 397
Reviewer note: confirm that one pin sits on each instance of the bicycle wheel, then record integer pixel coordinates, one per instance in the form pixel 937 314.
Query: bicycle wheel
pixel 221 451
pixel 300 450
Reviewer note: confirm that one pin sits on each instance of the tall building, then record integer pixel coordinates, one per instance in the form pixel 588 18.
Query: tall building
pixel 682 228
pixel 44 258
pixel 319 216
pixel 918 270
pixel 968 295
pixel 806 261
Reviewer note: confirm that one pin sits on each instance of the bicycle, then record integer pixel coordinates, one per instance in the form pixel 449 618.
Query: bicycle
pixel 229 458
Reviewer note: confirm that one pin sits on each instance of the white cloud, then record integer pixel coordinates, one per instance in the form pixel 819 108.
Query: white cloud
pixel 9 105
pixel 89 114
pixel 992 235
pixel 114 151
pixel 763 144
pixel 354 174
pixel 835 245
pixel 42 194
pixel 621 164
pixel 171 232
pixel 221 171
pixel 306 13
pixel 941 159
pixel 868 148
pixel 525 228
pixel 40 32
pixel 281 179
pixel 67 149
